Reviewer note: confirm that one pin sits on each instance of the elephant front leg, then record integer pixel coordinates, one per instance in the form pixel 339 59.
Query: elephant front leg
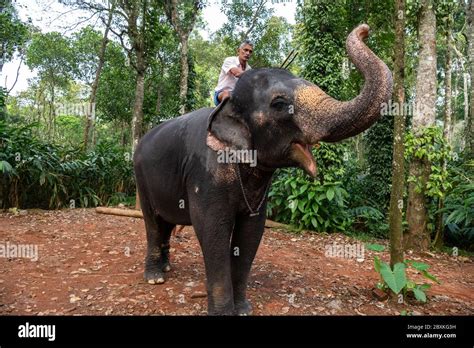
pixel 214 237
pixel 245 241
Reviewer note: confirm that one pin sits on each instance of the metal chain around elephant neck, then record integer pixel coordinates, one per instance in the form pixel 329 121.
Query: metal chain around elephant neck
pixel 256 212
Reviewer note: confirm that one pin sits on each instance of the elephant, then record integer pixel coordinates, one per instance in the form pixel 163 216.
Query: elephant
pixel 181 181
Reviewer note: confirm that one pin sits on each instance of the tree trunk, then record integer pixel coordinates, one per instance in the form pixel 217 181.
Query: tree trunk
pixel 446 127
pixel 470 124
pixel 123 140
pixel 447 85
pixel 467 119
pixel 137 119
pixel 158 101
pixel 91 110
pixel 398 163
pixel 438 242
pixel 455 101
pixel 183 28
pixel 418 236
pixel 52 115
pixel 183 84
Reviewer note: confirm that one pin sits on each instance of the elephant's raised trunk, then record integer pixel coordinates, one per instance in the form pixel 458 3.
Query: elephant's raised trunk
pixel 322 118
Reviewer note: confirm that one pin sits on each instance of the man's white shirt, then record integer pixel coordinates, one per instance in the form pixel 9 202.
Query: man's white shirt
pixel 226 80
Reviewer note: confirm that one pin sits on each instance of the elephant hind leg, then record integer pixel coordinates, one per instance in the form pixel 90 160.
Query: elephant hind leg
pixel 165 247
pixel 158 232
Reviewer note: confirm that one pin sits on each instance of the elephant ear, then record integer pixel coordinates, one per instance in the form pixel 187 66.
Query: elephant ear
pixel 226 129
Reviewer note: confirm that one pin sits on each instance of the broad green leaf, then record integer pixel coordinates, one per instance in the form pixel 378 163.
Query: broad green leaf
pixel 5 167
pixel 42 179
pixel 375 247
pixel 330 193
pixel 428 275
pixel 301 205
pixel 377 264
pixel 419 294
pixel 424 287
pixel 419 266
pixel 396 279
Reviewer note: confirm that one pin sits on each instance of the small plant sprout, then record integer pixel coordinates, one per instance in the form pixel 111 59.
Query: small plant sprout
pixel 396 278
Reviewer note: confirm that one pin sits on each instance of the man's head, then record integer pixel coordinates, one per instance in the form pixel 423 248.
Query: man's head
pixel 245 50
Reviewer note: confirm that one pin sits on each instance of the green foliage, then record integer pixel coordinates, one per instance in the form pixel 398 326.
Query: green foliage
pixel 316 204
pixel 86 46
pixel 45 175
pixel 458 211
pixel 321 32
pixel 396 279
pixel 331 160
pixel 116 91
pixel 379 149
pixel 429 145
pixel 308 204
pixel 52 55
pixel 369 219
pixel 3 104
pixel 13 32
pixel 249 20
pixel 374 247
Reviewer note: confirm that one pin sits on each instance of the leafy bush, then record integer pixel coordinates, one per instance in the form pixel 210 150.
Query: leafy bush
pixel 369 216
pixel 429 146
pixel 37 174
pixel 307 203
pixel 379 148
pixel 458 211
pixel 370 220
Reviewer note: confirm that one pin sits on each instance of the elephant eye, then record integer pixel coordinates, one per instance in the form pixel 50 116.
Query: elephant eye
pixel 279 103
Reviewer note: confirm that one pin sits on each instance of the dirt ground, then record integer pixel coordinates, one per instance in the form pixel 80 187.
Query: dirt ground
pixel 90 264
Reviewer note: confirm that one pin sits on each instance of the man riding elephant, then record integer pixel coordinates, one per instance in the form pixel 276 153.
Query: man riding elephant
pixel 181 180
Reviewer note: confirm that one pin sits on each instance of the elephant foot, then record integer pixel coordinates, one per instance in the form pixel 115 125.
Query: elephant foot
pixel 243 308
pixel 166 267
pixel 220 312
pixel 154 276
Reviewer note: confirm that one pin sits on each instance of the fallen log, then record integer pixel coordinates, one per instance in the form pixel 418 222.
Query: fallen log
pixel 138 214
pixel 120 212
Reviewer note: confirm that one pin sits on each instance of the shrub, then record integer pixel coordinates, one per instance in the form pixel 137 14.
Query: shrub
pixel 308 204
pixel 37 174
pixel 458 211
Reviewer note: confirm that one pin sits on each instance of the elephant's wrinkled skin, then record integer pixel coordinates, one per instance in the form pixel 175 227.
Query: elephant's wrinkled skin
pixel 271 111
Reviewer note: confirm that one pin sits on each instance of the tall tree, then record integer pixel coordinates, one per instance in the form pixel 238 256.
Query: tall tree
pixel 398 162
pixel 100 65
pixel 447 119
pixel 13 32
pixel 254 21
pixel 447 81
pixel 418 235
pixel 182 17
pixel 52 55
